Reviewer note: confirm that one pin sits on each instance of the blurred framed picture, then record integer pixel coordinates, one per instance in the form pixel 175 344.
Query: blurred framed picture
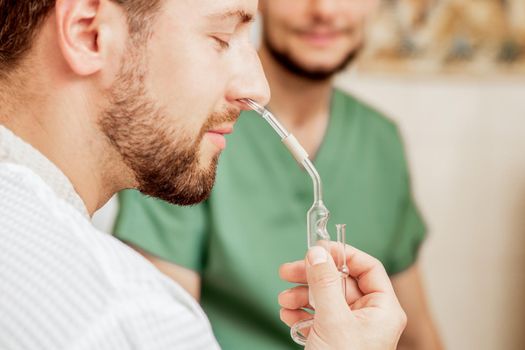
pixel 447 36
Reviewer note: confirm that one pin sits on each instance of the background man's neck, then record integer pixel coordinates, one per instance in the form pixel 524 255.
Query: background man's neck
pixel 302 105
pixel 295 99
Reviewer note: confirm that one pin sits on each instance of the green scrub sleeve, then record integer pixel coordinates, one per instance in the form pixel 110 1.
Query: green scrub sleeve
pixel 411 229
pixel 177 236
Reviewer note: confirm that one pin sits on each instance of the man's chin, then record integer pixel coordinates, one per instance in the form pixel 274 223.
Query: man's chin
pixel 315 69
pixel 188 199
pixel 185 189
pixel 197 193
pixel 322 68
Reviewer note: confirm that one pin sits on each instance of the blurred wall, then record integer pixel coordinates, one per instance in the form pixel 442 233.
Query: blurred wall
pixel 465 140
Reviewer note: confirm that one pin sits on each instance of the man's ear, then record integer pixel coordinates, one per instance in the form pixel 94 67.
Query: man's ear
pixel 86 30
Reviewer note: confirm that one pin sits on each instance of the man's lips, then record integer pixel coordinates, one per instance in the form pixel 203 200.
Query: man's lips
pixel 222 130
pixel 216 136
pixel 320 38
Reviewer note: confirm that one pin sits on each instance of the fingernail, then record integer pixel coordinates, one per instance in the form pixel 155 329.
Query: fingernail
pixel 317 255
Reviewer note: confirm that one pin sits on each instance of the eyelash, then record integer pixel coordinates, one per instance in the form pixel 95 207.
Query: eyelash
pixel 224 45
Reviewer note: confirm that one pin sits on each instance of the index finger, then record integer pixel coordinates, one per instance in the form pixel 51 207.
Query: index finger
pixel 369 272
pixel 294 272
pixel 365 269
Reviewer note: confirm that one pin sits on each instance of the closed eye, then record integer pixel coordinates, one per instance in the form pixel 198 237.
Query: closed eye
pixel 223 44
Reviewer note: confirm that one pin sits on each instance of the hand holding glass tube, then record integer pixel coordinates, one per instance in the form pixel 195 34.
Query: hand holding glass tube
pixel 336 324
pixel 317 216
pixel 368 317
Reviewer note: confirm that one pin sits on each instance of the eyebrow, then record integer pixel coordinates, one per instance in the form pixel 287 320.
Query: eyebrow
pixel 241 15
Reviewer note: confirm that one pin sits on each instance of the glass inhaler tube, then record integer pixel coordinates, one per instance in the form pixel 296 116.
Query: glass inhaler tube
pixel 318 214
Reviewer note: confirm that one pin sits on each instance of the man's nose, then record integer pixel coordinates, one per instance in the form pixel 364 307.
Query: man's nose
pixel 324 9
pixel 250 82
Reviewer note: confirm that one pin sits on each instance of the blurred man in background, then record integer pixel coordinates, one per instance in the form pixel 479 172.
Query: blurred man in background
pixel 255 218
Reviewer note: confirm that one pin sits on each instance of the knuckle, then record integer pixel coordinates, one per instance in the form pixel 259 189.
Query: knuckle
pixel 295 300
pixel 377 262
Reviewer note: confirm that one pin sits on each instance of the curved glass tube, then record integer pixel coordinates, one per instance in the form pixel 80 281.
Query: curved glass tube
pixel 317 216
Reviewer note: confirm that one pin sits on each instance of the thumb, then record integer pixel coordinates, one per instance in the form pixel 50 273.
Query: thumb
pixel 325 283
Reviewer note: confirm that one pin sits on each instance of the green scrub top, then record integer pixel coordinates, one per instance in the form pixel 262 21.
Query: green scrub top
pixel 255 218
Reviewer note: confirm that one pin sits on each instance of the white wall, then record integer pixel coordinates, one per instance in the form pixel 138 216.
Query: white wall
pixel 466 143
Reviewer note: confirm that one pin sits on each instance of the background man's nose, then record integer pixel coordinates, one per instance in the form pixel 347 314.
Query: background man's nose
pixel 323 9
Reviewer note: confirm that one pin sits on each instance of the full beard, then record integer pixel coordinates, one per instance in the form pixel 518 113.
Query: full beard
pixel 164 160
pixel 286 60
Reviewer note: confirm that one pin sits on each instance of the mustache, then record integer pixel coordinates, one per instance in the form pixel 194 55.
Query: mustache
pixel 230 115
pixel 323 28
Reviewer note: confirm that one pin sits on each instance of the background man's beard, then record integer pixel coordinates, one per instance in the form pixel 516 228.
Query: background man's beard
pixel 286 61
pixel 165 162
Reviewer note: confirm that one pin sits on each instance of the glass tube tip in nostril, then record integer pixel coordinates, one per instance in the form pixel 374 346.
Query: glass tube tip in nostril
pixel 254 105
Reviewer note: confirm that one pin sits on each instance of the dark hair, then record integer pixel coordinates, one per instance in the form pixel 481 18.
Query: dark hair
pixel 21 19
